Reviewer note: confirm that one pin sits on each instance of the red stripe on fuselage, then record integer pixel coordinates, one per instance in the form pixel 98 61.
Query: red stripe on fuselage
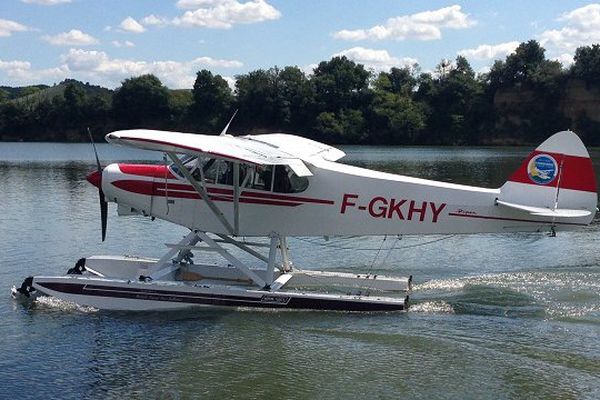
pixel 285 197
pixel 159 171
pixel 149 188
pixel 134 186
pixel 577 172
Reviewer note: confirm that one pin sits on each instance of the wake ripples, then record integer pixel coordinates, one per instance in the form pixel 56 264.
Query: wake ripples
pixel 548 294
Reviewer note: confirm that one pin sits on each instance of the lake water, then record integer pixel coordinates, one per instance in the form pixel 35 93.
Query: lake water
pixel 492 317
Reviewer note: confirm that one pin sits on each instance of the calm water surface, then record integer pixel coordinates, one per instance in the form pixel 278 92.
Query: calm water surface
pixel 493 316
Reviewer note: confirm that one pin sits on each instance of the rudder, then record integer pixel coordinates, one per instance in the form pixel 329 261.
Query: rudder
pixel 556 180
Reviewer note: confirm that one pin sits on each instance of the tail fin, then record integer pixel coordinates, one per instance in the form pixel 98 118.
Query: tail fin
pixel 556 180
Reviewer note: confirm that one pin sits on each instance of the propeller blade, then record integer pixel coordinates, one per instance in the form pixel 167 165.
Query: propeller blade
pixel 103 212
pixel 95 178
pixel 95 151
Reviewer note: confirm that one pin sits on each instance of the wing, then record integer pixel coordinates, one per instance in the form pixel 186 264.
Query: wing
pixel 298 146
pixel 239 149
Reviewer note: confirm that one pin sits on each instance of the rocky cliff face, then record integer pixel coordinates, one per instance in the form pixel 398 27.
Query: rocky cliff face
pixel 525 114
pixel 577 100
pixel 580 101
pixel 509 105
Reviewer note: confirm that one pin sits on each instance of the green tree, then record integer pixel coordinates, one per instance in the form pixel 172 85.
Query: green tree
pixel 586 64
pixel 452 98
pixel 29 90
pixel 212 99
pixel 257 97
pixel 295 98
pixel 181 104
pixel 341 84
pixel 275 98
pixel 354 126
pixel 74 95
pixel 426 87
pixel 346 127
pixel 4 95
pixel 523 63
pixel 398 80
pixel 97 114
pixel 14 120
pixel 395 117
pixel 142 100
pixel 328 125
pixel 533 86
pixel 75 99
pixel 526 66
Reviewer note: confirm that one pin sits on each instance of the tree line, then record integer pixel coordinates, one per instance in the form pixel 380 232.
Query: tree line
pixel 522 99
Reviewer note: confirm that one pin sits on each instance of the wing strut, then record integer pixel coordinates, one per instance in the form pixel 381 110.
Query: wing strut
pixel 236 198
pixel 202 192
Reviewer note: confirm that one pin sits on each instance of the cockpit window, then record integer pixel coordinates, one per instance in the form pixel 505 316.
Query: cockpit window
pixel 271 178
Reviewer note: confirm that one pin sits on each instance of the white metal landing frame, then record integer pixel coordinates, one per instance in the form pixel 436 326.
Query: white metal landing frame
pixel 277 270
pixel 175 282
pixel 169 264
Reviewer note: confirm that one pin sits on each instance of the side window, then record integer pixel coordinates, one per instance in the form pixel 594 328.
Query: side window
pixel 218 171
pixel 286 181
pixel 270 178
pixel 264 179
pixel 225 176
pixel 282 180
pixel 257 177
pixel 214 171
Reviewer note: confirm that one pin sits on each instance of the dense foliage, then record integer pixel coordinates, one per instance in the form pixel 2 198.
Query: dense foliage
pixel 522 99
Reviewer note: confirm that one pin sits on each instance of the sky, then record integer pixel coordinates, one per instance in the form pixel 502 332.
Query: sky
pixel 104 42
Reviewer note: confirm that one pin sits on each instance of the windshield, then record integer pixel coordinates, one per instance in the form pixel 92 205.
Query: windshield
pixel 189 161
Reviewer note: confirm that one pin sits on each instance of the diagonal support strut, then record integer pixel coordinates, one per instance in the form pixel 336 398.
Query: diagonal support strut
pixel 202 192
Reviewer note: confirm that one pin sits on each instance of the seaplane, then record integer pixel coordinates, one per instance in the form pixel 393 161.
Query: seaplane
pixel 251 193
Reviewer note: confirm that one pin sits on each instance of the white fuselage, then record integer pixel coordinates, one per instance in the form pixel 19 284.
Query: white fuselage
pixel 339 200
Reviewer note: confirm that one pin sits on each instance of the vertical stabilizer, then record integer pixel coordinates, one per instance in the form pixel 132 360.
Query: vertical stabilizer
pixel 558 176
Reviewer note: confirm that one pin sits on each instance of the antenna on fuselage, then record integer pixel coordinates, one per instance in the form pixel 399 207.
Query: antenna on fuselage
pixel 224 131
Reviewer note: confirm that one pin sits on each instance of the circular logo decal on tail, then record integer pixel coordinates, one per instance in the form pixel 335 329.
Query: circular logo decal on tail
pixel 542 169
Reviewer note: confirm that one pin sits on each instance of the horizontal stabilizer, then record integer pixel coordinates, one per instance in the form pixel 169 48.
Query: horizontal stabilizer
pixel 545 212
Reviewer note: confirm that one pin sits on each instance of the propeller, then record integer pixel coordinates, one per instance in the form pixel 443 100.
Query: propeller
pixel 95 178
